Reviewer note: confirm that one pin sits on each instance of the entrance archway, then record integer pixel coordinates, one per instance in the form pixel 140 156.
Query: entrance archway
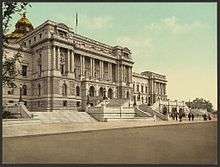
pixel 92 91
pixel 110 93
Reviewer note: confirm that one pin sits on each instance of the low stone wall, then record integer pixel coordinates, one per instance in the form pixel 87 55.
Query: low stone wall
pixel 103 113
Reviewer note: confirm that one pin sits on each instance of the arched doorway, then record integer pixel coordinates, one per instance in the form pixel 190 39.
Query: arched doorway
pixel 101 92
pixel 92 91
pixel 110 93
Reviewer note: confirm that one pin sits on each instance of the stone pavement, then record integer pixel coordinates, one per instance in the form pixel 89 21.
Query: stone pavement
pixel 14 130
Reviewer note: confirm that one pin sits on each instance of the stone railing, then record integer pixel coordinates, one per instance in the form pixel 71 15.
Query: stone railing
pixel 104 113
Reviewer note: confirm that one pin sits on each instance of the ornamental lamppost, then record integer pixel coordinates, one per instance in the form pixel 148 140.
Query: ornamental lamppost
pixel 20 98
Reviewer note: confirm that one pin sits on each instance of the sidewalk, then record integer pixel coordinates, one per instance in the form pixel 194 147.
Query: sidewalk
pixel 14 130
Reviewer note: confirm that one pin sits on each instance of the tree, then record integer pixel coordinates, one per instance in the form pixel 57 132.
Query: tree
pixel 9 68
pixel 200 103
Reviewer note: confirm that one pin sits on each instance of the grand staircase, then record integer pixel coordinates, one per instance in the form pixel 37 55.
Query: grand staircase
pixel 148 110
pixel 63 117
pixel 19 110
pixel 117 102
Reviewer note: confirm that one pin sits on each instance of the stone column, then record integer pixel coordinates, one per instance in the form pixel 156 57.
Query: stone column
pixel 58 56
pixel 71 62
pixel 54 58
pixel 117 72
pixel 109 71
pixel 80 59
pixel 91 67
pixel 102 69
pixel 68 61
pixel 82 65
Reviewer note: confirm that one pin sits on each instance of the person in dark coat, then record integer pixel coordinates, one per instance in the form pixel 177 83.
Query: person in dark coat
pixel 209 117
pixel 172 115
pixel 204 117
pixel 192 117
pixel 189 116
pixel 176 115
pixel 180 117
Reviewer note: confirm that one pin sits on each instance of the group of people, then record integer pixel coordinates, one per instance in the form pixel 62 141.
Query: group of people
pixel 206 117
pixel 175 115
pixel 191 116
pixel 178 116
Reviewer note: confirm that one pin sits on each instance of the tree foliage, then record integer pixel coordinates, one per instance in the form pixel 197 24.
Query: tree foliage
pixel 200 103
pixel 9 68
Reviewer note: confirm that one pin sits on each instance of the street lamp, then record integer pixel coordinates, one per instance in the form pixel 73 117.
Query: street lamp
pixel 20 98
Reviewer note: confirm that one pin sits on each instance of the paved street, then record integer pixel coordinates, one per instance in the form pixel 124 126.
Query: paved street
pixel 184 143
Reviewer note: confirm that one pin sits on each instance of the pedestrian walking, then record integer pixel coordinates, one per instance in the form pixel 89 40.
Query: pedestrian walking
pixel 192 117
pixel 209 117
pixel 180 117
pixel 172 115
pixel 189 116
pixel 176 116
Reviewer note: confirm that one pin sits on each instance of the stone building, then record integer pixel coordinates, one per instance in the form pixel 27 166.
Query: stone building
pixel 62 70
pixel 148 87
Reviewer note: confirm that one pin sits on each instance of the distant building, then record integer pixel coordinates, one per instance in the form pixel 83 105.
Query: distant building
pixel 61 70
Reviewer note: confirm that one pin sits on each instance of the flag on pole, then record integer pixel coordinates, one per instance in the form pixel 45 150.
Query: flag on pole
pixel 76 19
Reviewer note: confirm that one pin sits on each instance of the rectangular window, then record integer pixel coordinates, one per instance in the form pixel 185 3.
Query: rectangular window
pixel 142 88
pixel 24 70
pixel 146 89
pixel 137 88
pixel 62 69
pixel 10 101
pixel 29 42
pixel 64 103
pixel 40 35
pixel 34 39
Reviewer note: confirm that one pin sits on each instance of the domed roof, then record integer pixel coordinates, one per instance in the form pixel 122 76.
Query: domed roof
pixel 24 22
pixel 22 27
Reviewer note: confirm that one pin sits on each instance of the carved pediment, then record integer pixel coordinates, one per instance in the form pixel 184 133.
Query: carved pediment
pixel 63 26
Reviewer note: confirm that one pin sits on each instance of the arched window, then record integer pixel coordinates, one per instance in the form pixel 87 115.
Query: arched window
pixel 39 89
pixel 91 91
pixel 64 90
pixel 77 91
pixel 101 92
pixel 24 90
pixel 110 93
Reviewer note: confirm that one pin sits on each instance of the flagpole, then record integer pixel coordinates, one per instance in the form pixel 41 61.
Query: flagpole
pixel 76 22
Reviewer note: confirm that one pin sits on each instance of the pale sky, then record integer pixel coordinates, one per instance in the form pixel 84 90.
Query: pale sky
pixel 175 39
